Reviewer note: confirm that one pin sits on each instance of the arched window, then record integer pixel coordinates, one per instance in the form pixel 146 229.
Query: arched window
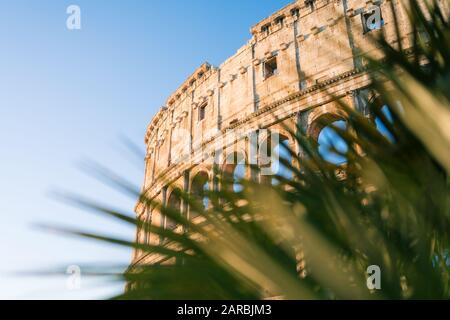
pixel 280 151
pixel 382 116
pixel 272 150
pixel 235 170
pixel 331 145
pixel 200 186
pixel 381 125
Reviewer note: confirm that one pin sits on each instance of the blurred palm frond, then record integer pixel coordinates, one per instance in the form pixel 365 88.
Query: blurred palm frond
pixel 313 235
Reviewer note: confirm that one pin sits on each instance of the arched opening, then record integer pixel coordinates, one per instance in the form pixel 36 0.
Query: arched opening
pixel 380 123
pixel 281 151
pixel 199 189
pixel 383 116
pixel 174 202
pixel 272 150
pixel 235 170
pixel 331 146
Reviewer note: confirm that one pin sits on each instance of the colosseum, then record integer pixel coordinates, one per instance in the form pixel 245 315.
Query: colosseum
pixel 297 64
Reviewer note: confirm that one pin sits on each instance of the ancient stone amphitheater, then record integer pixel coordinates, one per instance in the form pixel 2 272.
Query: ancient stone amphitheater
pixel 298 62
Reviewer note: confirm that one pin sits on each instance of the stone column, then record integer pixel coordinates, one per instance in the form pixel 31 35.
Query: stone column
pixel 162 218
pixel 186 189
pixel 156 154
pixel 302 130
pixel 215 176
pixel 301 80
pixel 254 154
pixel 148 222
pixel 171 127
pixel 254 91
pixel 191 123
pixel 147 179
pixel 219 89
pixel 357 62
pixel 360 100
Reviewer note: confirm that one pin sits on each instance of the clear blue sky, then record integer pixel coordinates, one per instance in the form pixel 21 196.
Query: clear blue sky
pixel 66 96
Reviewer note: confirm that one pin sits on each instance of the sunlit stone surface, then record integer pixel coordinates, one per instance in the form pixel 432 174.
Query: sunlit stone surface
pixel 295 60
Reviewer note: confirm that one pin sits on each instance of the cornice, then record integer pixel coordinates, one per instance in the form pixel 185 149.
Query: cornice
pixel 175 171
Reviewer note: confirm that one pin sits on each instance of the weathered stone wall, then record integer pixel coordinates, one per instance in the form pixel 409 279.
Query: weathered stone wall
pixel 318 50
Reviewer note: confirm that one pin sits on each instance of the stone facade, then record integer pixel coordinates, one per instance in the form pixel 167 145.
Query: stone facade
pixel 296 64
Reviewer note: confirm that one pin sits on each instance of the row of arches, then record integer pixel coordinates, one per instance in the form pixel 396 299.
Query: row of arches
pixel 235 167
